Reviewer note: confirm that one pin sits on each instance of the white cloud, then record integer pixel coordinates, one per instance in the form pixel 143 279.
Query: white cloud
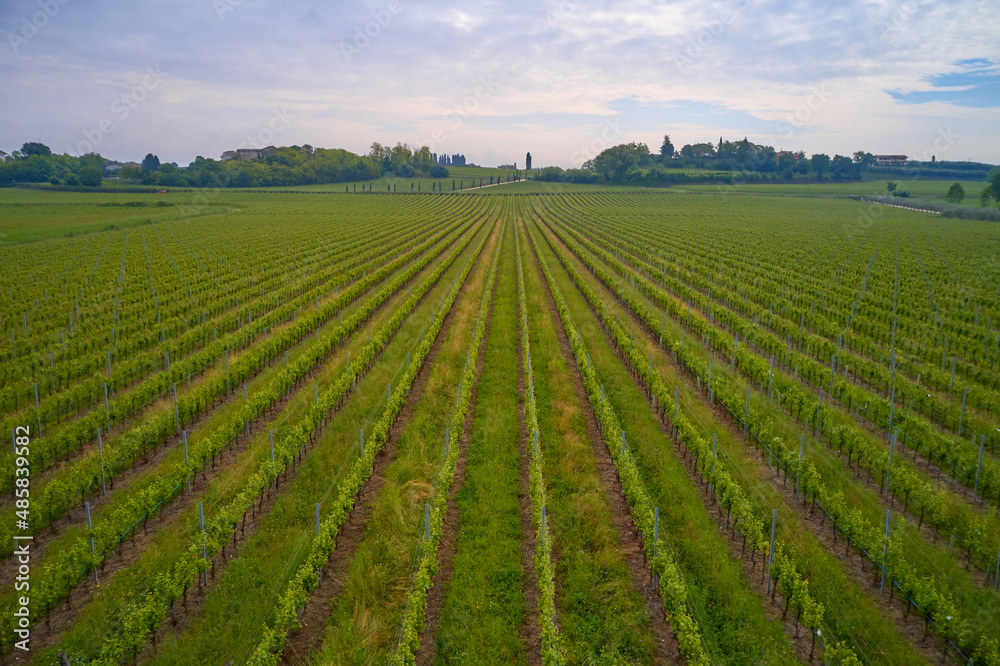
pixel 560 68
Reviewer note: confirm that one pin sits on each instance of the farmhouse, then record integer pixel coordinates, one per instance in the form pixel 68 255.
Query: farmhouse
pixel 246 153
pixel 890 160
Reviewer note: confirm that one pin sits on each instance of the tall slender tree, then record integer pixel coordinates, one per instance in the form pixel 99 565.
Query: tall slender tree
pixel 667 148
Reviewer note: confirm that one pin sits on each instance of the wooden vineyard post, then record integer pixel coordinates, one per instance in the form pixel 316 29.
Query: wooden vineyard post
pixel 888 468
pixel 979 467
pixel 90 530
pixel 187 476
pixel 770 556
pixel 274 482
pixel 711 401
pixel 656 529
pixel 961 418
pixel 100 451
pixel 885 548
pixel 892 406
pixel 996 575
pixel 746 416
pixel 802 447
pixel 819 406
pixel 201 522
pixel 832 359
pixel 711 486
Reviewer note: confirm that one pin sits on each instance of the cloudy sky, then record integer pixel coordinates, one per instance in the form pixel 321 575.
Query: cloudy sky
pixel 492 80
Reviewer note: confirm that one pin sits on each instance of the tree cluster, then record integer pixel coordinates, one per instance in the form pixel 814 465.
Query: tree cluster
pixel 290 165
pixel 634 163
pixel 35 163
pixel 450 160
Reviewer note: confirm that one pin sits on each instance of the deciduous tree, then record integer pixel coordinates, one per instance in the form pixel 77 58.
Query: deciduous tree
pixel 955 193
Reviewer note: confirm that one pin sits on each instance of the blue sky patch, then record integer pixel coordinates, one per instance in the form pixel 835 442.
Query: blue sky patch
pixel 978 86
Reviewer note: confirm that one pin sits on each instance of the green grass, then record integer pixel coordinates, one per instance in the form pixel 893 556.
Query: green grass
pixel 118 492
pixel 542 187
pixel 366 615
pixel 850 612
pixel 403 185
pixel 485 603
pixel 290 521
pixel 934 190
pixel 600 613
pixel 979 607
pixel 730 615
pixel 30 215
pixel 235 611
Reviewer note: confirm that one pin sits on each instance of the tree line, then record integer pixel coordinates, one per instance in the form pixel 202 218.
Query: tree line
pixel 285 166
pixel 634 163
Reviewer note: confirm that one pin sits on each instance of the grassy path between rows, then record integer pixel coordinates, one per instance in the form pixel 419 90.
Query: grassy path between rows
pixel 851 614
pixel 236 616
pixel 485 605
pixel 366 613
pixel 157 553
pixel 729 613
pixel 602 588
pixel 976 605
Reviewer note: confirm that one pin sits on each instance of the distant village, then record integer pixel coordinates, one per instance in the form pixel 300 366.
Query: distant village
pixel 112 167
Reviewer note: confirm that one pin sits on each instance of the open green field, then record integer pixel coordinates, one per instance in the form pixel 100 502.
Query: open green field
pixel 531 424
pixel 466 176
pixel 934 190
